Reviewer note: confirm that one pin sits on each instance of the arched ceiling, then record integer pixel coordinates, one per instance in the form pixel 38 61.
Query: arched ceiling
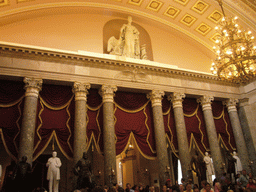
pixel 195 19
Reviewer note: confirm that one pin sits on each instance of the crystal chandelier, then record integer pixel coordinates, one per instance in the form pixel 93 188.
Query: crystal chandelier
pixel 235 53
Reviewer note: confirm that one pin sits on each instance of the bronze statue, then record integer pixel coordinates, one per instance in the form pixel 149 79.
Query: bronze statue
pixel 83 171
pixel 22 174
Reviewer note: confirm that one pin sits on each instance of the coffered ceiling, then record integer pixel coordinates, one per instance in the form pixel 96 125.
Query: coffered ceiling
pixel 194 18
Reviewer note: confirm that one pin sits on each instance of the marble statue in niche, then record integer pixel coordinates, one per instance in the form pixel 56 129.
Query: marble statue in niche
pixel 128 44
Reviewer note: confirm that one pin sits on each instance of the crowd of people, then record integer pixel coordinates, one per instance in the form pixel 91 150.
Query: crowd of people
pixel 242 183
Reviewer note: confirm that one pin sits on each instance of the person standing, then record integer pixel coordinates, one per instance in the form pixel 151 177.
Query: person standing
pixel 53 173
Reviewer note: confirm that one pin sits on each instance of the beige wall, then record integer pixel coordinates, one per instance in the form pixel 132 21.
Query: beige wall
pixel 84 31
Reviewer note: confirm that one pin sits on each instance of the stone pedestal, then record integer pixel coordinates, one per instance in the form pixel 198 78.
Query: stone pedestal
pixel 238 134
pixel 246 119
pixel 212 134
pixel 32 87
pixel 161 145
pixel 80 90
pixel 107 93
pixel 184 155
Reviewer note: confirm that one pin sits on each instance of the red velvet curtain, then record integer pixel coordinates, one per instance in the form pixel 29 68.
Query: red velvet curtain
pixel 195 124
pixel 11 108
pixel 95 119
pixel 133 118
pixel 55 119
pixel 223 125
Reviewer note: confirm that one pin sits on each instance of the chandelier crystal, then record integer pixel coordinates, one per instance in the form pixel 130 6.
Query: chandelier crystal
pixel 235 53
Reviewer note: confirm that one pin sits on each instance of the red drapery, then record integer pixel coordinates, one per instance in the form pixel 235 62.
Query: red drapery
pixel 194 120
pixel 133 118
pixel 55 119
pixel 11 108
pixel 223 125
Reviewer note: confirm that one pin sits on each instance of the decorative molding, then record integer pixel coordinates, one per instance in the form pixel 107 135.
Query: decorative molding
pixel 135 2
pixel 4 2
pixel 79 59
pixel 215 16
pixel 81 90
pixel 206 102
pixel 134 75
pixel 182 2
pixel 200 7
pixel 203 28
pixel 32 86
pixel 107 93
pixel 156 97
pixel 172 12
pixel 215 37
pixel 155 5
pixel 188 20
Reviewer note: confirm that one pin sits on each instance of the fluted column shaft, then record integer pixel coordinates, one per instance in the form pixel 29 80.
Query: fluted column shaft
pixel 107 93
pixel 212 134
pixel 237 130
pixel 184 155
pixel 32 87
pixel 161 145
pixel 80 90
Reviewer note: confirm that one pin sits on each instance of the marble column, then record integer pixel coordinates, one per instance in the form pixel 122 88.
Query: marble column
pixel 212 134
pixel 80 90
pixel 238 134
pixel 161 145
pixel 184 155
pixel 246 119
pixel 26 148
pixel 107 93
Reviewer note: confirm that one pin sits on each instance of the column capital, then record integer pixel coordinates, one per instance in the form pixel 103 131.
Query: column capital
pixel 32 86
pixel 107 93
pixel 81 90
pixel 156 97
pixel 176 99
pixel 206 102
pixel 231 104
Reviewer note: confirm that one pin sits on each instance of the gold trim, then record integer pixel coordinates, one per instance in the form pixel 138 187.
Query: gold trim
pixel 155 5
pixel 188 20
pixel 201 9
pixel 199 126
pixel 202 31
pixel 5 146
pixel 19 101
pixel 182 2
pixel 132 111
pixel 43 103
pixel 22 1
pixel 215 16
pixel 132 2
pixel 174 15
pixel 222 115
pixel 4 3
